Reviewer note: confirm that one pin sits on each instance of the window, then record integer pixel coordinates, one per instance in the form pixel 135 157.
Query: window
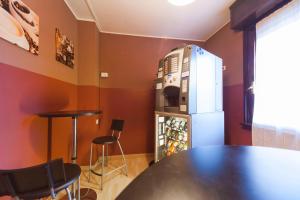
pixel 243 17
pixel 277 75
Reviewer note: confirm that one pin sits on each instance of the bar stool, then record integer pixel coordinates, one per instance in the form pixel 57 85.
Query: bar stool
pixel 116 128
pixel 40 181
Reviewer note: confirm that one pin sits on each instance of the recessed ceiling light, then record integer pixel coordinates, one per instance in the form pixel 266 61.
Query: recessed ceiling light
pixel 180 2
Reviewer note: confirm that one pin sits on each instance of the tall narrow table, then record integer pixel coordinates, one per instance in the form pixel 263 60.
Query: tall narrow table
pixel 74 114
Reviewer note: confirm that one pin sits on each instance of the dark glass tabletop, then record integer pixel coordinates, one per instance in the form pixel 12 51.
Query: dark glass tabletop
pixel 221 173
pixel 70 113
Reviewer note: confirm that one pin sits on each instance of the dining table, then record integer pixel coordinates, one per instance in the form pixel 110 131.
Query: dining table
pixel 220 173
pixel 74 114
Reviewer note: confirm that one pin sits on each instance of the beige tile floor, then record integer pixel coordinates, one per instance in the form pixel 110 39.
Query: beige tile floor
pixel 117 181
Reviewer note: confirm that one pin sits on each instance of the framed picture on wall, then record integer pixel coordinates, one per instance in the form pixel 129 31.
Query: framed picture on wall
pixel 64 49
pixel 19 25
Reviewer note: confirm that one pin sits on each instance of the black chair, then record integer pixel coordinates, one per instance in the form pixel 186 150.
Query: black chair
pixel 40 181
pixel 116 127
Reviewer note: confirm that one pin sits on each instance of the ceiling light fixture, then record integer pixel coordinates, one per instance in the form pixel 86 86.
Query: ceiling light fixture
pixel 180 2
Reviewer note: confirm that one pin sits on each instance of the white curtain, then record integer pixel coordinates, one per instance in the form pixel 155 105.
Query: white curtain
pixel 276 120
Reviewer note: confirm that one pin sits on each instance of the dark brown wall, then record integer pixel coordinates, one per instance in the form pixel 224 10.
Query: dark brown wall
pixel 228 45
pixel 128 93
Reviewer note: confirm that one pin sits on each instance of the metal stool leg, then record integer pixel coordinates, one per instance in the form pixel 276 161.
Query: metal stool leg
pixel 102 174
pixel 91 158
pixel 69 194
pixel 106 157
pixel 126 170
pixel 78 189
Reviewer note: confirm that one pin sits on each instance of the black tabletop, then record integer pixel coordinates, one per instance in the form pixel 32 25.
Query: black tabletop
pixel 70 113
pixel 221 172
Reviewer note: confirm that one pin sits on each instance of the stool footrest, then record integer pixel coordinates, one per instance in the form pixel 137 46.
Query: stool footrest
pixel 98 174
pixel 111 171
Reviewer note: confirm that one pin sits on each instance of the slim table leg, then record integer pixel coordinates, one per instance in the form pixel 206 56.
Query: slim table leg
pixel 102 169
pixel 78 189
pixel 106 157
pixel 49 151
pixel 74 147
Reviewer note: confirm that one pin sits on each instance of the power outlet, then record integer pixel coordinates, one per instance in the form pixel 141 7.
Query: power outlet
pixel 104 75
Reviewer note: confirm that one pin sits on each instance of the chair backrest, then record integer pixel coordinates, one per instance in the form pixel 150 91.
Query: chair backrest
pixel 117 125
pixel 44 176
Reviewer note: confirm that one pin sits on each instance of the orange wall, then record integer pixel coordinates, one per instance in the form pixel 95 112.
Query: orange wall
pixel 88 86
pixel 53 14
pixel 88 98
pixel 128 93
pixel 32 84
pixel 88 61
pixel 228 45
pixel 23 134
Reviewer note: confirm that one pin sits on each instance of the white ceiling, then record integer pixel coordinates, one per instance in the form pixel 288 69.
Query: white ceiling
pixel 154 18
pixel 80 9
